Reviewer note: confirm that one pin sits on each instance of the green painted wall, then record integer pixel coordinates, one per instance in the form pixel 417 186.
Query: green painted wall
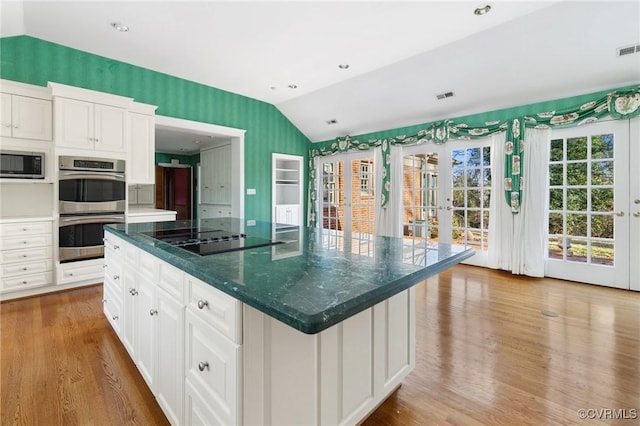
pixel 34 61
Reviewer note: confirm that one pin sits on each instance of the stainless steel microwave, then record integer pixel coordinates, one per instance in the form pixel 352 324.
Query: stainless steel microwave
pixel 22 165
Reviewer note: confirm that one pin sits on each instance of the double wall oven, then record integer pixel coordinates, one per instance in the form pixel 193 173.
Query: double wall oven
pixel 92 193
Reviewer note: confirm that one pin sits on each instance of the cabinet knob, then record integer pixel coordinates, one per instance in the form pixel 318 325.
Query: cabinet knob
pixel 116 277
pixel 115 318
pixel 153 312
pixel 24 282
pixel 104 300
pixel 24 269
pixel 203 365
pixel 116 247
pixel 104 266
pixel 636 214
pixel 97 140
pixel 202 304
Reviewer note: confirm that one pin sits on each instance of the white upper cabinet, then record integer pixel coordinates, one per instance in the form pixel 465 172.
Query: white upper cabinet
pixel 25 117
pixel 215 165
pixel 142 143
pixel 89 126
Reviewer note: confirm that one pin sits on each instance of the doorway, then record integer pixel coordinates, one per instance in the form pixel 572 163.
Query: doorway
pixel 174 191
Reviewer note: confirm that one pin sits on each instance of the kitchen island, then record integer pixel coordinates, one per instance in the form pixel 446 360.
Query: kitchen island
pixel 296 327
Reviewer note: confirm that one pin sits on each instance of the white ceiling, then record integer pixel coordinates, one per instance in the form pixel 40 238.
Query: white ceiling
pixel 401 54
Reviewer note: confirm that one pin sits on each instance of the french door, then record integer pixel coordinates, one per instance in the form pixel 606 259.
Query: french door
pixel 594 204
pixel 347 202
pixel 446 194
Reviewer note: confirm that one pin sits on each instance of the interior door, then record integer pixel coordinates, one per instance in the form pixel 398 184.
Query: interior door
pixel 590 208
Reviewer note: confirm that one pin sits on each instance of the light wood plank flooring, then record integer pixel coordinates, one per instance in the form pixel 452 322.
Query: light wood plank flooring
pixel 492 349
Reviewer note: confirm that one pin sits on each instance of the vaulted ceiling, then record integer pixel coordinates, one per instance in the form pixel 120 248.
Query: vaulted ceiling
pixel 400 55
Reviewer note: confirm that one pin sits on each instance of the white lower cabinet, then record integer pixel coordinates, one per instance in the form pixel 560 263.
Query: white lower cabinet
pixel 211 360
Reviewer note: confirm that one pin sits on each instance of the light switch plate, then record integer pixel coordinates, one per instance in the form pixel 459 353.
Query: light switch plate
pixel 251 191
pixel 251 222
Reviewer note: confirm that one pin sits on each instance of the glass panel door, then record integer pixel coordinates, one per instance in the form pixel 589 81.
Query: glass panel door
pixel 347 207
pixel 588 226
pixel 446 194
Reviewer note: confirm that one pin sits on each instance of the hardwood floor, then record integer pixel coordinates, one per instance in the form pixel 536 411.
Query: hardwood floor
pixel 492 349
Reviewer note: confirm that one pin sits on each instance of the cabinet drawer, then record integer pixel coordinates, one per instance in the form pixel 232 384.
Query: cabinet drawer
pixel 171 280
pixel 26 281
pixel 115 243
pixel 211 366
pixel 24 228
pixel 27 255
pixel 85 270
pixel 26 241
pixel 26 268
pixel 148 265
pixel 113 267
pixel 215 308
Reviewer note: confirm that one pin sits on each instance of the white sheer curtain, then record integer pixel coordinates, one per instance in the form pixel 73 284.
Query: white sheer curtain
pixel 388 219
pixel 517 241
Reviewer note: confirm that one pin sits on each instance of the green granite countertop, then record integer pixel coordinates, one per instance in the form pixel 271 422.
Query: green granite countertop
pixel 310 284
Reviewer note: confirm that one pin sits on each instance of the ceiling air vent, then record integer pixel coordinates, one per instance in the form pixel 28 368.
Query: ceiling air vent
pixel 444 95
pixel 628 50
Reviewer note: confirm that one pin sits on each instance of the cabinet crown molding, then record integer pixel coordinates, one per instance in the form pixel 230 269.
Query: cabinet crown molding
pixel 71 92
pixel 23 89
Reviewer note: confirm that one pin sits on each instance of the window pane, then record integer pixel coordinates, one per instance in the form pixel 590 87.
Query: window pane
pixel 577 148
pixel 555 224
pixel 473 198
pixel 555 199
pixel 577 250
pixel 577 174
pixel 556 172
pixel 577 225
pixel 473 219
pixel 602 226
pixel 487 177
pixel 458 198
pixel 602 253
pixel 474 177
pixel 486 198
pixel 486 156
pixel 458 178
pixel 457 158
pixel 602 200
pixel 602 146
pixel 602 173
pixel 557 150
pixel 473 157
pixel 577 199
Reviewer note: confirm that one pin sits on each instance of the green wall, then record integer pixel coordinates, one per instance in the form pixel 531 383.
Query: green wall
pixel 34 61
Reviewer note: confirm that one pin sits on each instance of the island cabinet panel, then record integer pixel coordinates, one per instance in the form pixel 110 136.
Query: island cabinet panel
pixel 335 377
pixel 146 296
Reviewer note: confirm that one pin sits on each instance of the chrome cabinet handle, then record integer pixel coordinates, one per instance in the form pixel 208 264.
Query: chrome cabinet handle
pixel 116 277
pixel 636 214
pixel 202 304
pixel 153 312
pixel 203 365
pixel 115 317
pixel 116 247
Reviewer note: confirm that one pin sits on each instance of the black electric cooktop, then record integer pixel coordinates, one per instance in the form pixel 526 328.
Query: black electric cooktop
pixel 204 241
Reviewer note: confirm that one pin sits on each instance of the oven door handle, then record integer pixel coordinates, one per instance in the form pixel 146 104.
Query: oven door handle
pixel 65 221
pixel 65 175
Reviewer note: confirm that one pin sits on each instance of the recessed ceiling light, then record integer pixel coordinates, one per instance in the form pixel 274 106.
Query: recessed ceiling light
pixel 332 121
pixel 273 87
pixel 343 66
pixel 482 10
pixel 293 86
pixel 120 27
pixel 445 95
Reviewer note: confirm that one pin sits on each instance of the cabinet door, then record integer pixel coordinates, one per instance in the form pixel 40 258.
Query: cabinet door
pixel 207 179
pixel 5 115
pixel 109 128
pixel 73 123
pixel 132 194
pixel 146 329
pixel 170 380
pixel 222 170
pixel 129 310
pixel 146 194
pixel 31 118
pixel 142 144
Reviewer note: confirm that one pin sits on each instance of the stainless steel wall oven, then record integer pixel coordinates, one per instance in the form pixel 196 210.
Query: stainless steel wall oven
pixel 92 193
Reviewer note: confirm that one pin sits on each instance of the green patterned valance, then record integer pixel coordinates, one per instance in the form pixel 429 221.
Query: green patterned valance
pixel 619 104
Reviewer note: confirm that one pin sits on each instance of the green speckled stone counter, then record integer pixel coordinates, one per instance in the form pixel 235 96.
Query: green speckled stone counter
pixel 324 281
